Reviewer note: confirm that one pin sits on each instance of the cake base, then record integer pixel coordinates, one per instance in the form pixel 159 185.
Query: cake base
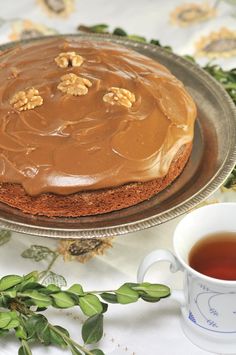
pixel 92 202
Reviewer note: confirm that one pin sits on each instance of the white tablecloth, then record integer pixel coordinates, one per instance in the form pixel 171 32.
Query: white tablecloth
pixel 142 328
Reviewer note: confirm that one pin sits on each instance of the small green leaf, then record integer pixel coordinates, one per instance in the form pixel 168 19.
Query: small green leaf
pixel 49 289
pixel 55 279
pixel 5 318
pixel 119 32
pixel 156 42
pixel 29 280
pixel 21 333
pixel 90 305
pixel 92 330
pixel 14 323
pixel 3 301
pixel 42 330
pixel 97 352
pixel 9 281
pixel 57 339
pixel 131 284
pixel 74 350
pixel 100 28
pixel 32 276
pixel 10 293
pixel 30 286
pixel 5 236
pixel 126 295
pixel 37 252
pixel 154 290
pixel 3 332
pixel 30 325
pixel 37 298
pixel 62 300
pixel 24 349
pixel 62 330
pixel 137 38
pixel 76 289
pixel 104 307
pixel 109 297
pixel 150 299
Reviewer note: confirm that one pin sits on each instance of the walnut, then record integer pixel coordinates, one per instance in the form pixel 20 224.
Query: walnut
pixel 119 96
pixel 26 100
pixel 69 59
pixel 73 84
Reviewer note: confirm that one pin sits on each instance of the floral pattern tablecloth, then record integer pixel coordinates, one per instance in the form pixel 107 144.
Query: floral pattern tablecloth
pixel 205 30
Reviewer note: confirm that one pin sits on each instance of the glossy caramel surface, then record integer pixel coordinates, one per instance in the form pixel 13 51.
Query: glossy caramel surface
pixel 75 143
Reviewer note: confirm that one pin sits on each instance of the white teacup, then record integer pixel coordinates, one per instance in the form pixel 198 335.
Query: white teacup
pixel 208 305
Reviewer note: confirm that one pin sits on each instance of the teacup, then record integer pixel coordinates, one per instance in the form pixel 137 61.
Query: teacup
pixel 208 305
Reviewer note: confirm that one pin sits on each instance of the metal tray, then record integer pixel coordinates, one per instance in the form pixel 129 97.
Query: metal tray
pixel 212 159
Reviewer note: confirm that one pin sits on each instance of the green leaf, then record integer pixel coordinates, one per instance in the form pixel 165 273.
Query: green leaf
pixel 9 320
pixel 49 289
pixel 92 330
pixel 9 281
pixel 90 305
pixel 126 295
pixel 24 349
pixel 32 276
pixel 14 323
pixel 119 32
pixel 150 299
pixel 74 350
pixel 3 301
pixel 37 298
pixel 56 338
pixel 154 290
pixel 109 297
pixel 5 236
pixel 97 352
pixel 37 252
pixel 62 330
pixel 131 284
pixel 3 332
pixel 21 333
pixel 100 28
pixel 104 307
pixel 62 300
pixel 76 289
pixel 10 293
pixel 5 318
pixel 43 331
pixel 156 42
pixel 30 286
pixel 29 280
pixel 137 38
pixel 30 325
pixel 55 279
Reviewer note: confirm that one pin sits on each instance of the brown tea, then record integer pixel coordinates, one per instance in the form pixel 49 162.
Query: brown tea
pixel 215 256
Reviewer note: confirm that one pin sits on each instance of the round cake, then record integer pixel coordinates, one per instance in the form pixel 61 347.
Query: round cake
pixel 88 127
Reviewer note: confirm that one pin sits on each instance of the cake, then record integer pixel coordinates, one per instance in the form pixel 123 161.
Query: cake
pixel 88 127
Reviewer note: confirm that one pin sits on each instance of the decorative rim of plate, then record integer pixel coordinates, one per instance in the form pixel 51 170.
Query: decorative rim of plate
pixel 164 216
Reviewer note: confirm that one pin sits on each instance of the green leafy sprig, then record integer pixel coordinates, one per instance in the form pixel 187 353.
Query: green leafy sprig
pixel 23 298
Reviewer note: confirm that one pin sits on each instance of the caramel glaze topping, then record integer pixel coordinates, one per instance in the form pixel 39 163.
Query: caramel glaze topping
pixel 75 143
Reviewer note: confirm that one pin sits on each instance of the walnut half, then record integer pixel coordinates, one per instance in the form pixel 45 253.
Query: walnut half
pixel 119 96
pixel 69 59
pixel 26 100
pixel 73 84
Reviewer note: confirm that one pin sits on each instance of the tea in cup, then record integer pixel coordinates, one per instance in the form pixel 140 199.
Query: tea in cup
pixel 205 250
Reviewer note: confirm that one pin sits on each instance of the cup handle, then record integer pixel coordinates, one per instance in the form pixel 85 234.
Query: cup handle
pixel 162 255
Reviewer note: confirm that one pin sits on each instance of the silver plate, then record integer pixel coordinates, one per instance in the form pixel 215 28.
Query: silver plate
pixel 212 159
